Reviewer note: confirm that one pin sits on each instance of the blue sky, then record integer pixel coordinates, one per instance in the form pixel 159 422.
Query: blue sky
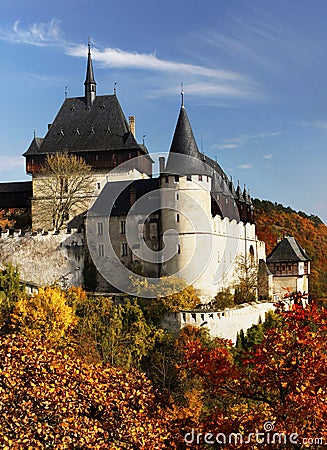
pixel 254 75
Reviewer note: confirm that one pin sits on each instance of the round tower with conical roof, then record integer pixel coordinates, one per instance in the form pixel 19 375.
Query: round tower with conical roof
pixel 185 184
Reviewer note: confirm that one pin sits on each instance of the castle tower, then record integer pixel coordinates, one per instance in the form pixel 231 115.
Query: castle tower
pixel 185 205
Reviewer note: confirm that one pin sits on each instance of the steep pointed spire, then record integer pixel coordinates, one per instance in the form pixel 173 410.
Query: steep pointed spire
pixel 183 141
pixel 90 84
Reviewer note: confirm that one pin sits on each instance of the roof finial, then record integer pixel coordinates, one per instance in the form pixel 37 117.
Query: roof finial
pixel 143 139
pixel 66 93
pixel 115 88
pixel 182 94
pixel 34 133
pixel 89 44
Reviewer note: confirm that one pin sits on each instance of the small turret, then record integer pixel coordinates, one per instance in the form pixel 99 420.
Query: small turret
pixel 90 84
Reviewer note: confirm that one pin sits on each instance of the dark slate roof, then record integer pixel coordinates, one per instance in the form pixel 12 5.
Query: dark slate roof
pixel 183 140
pixel 263 268
pixel 13 188
pixel 186 159
pixel 34 146
pixel 116 195
pixel 79 128
pixel 287 250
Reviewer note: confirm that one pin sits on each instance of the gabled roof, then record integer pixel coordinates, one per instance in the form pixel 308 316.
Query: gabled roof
pixel 288 250
pixel 79 127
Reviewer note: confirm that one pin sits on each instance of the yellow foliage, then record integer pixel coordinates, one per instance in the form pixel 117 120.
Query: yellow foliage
pixel 46 316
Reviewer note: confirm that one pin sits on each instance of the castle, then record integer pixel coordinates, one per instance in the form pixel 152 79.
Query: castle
pixel 187 221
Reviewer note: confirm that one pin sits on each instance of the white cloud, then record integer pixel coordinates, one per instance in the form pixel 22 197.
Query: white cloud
pixel 227 146
pixel 243 139
pixel 39 34
pixel 199 80
pixel 322 124
pixel 268 156
pixel 245 166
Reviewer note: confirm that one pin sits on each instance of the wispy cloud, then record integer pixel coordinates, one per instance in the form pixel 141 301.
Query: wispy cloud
pixel 227 146
pixel 239 141
pixel 322 124
pixel 244 166
pixel 268 156
pixel 199 80
pixel 38 34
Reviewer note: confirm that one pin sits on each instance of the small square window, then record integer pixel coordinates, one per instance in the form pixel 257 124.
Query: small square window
pixel 188 178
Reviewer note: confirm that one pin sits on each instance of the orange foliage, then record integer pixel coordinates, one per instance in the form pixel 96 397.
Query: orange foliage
pixel 51 400
pixel 281 380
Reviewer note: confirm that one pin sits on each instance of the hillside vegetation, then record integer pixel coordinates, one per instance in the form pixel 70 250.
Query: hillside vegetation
pixel 274 221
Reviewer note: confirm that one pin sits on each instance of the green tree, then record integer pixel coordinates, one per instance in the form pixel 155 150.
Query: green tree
pixel 121 333
pixel 10 291
pixel 223 299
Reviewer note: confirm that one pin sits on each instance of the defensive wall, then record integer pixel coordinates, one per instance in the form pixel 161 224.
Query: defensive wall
pixel 225 324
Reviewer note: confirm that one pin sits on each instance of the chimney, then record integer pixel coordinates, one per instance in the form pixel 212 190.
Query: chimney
pixel 132 124
pixel 161 164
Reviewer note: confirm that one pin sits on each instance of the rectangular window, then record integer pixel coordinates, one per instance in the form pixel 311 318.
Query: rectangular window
pixel 188 178
pixel 176 178
pixel 101 250
pixel 177 196
pixel 100 228
pixel 124 249
pixel 166 179
pixel 179 249
pixel 200 177
pixel 123 227
pixel 99 185
pixel 177 217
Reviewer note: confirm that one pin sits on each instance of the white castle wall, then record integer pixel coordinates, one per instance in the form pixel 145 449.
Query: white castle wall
pixel 44 259
pixel 209 247
pixel 224 324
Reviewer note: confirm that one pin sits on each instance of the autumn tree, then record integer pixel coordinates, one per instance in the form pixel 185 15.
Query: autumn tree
pixel 45 316
pixel 64 187
pixel 51 400
pixel 121 333
pixel 281 380
pixel 169 294
pixel 246 280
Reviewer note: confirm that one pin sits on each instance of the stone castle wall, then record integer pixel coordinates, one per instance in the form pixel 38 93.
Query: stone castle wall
pixel 45 258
